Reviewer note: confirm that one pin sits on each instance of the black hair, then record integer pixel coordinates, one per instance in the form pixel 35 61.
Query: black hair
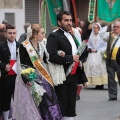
pixel 9 26
pixel 61 13
pixel 26 26
pixel 5 22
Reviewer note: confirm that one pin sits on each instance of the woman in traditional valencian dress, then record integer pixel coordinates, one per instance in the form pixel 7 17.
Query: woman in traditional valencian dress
pixel 95 67
pixel 32 53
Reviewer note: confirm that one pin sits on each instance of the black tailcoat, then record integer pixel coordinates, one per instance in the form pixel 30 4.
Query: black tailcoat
pixel 7 81
pixel 58 41
pixel 5 56
pixel 66 92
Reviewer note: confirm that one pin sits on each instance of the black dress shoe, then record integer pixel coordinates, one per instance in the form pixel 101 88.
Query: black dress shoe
pixel 77 97
pixel 112 99
pixel 99 87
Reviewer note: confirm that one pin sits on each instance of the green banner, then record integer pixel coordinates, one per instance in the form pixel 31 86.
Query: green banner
pixel 54 7
pixel 108 10
pixel 91 10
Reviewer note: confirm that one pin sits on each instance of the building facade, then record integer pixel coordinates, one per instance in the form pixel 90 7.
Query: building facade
pixel 18 12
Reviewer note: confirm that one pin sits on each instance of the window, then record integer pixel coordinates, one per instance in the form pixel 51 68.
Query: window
pixel 10 17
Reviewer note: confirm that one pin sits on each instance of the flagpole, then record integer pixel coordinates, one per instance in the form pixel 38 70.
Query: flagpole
pixel 75 12
pixel 95 17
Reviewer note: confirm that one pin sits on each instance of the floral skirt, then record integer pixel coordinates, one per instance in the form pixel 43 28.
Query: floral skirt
pixel 49 106
pixel 95 69
pixel 24 107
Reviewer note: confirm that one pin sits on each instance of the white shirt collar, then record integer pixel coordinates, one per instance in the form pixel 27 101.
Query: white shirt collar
pixel 12 48
pixel 65 31
pixel 71 40
pixel 14 43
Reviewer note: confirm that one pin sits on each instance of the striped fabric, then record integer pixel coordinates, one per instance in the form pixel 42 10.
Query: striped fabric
pixel 115 50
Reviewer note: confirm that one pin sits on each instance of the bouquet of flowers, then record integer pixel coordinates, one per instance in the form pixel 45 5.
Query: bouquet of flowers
pixel 104 55
pixel 36 90
pixel 73 67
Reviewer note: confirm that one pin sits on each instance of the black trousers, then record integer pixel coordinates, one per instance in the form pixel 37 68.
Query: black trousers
pixel 0 100
pixel 66 94
pixel 8 86
pixel 112 67
pixel 81 76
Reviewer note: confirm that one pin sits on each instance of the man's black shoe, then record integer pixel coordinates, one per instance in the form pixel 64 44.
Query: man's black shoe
pixel 77 97
pixel 99 87
pixel 112 99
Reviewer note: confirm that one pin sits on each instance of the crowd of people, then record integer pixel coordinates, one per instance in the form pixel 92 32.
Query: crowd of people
pixel 34 70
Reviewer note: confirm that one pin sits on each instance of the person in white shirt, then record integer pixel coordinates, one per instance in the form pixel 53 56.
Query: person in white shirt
pixel 8 56
pixel 63 40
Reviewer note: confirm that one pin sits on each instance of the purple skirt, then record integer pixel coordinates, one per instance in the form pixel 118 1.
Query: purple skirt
pixel 24 107
pixel 49 107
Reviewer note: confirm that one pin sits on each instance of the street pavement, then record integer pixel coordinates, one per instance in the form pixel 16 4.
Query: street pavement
pixel 94 105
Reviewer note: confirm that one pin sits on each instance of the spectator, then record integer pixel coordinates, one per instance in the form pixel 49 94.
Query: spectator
pixel 2 32
pixel 112 66
pixel 23 36
pixel 5 22
pixel 8 58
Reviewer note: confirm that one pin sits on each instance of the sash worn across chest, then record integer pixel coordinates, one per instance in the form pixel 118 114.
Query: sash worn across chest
pixel 36 61
pixel 114 48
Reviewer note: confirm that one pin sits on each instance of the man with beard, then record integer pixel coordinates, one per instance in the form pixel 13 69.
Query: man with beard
pixel 63 40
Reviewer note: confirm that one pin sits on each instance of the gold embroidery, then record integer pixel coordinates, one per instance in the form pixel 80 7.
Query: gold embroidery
pixel 26 42
pixel 37 63
pixel 43 71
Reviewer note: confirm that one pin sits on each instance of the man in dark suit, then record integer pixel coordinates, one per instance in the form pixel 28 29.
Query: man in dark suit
pixel 63 40
pixel 113 44
pixel 8 56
